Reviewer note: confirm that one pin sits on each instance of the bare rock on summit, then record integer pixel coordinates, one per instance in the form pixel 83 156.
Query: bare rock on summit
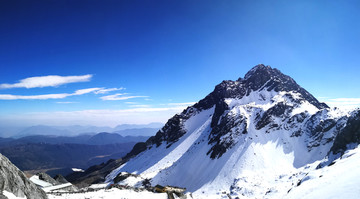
pixel 13 180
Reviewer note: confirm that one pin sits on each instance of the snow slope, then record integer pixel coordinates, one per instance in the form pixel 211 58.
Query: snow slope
pixel 340 180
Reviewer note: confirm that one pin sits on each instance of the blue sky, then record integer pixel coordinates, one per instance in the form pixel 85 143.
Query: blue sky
pixel 144 61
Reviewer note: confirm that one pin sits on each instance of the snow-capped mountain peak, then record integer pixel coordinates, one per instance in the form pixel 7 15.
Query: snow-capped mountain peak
pixel 241 137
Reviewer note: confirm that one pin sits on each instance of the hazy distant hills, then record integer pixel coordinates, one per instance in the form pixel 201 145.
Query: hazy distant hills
pixel 89 139
pixel 75 130
pixel 57 150
pixel 37 156
pixel 58 154
pixel 43 130
pixel 138 126
pixel 137 132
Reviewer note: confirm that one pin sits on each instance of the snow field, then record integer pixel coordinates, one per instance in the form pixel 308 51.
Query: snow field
pixel 110 194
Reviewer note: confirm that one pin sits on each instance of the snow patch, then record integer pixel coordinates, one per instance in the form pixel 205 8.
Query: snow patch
pixel 10 195
pixel 77 170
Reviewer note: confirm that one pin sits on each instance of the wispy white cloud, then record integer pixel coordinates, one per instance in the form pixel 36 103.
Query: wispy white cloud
pixel 181 104
pixel 47 81
pixel 49 96
pixel 140 106
pixel 85 91
pixel 66 102
pixel 99 117
pixel 106 90
pixel 348 100
pixel 347 103
pixel 32 97
pixel 135 114
pixel 120 96
pixel 168 105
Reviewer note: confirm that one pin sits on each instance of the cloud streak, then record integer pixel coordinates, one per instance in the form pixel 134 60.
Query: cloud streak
pixel 47 81
pixel 182 104
pixel 119 96
pixel 66 102
pixel 140 106
pixel 347 103
pixel 86 90
pixel 104 91
pixel 99 117
pixel 34 97
pixel 52 96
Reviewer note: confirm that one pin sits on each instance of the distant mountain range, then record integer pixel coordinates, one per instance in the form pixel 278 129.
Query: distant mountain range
pixel 58 154
pixel 74 130
pixel 88 139
pixel 62 157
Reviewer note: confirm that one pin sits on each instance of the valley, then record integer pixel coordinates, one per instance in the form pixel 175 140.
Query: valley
pixel 59 154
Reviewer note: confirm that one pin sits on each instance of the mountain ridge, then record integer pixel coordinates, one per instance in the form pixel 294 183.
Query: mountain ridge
pixel 75 130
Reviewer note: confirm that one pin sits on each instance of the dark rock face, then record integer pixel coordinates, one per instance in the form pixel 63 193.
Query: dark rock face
pixel 13 180
pixel 60 179
pixel 318 126
pixel 275 111
pixel 122 176
pixel 138 148
pixel 171 132
pixel 350 134
pixel 226 125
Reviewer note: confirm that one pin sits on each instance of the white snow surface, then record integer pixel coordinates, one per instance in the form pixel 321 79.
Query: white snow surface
pixel 340 180
pixel 77 170
pixel 98 186
pixel 10 195
pixel 35 179
pixel 110 194
pixel 263 163
pixel 56 187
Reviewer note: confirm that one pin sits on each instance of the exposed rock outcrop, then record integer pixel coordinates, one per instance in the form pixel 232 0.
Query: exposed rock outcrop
pixel 13 180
